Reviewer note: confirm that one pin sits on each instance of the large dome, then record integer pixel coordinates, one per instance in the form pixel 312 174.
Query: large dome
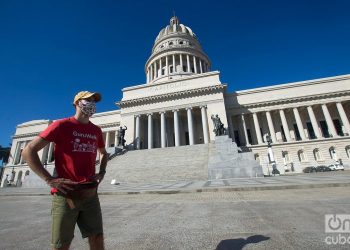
pixel 176 53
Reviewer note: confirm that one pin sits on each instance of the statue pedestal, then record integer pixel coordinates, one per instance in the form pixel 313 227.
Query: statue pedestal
pixel 226 162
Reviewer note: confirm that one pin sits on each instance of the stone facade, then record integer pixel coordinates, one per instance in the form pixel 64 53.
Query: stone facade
pixel 307 121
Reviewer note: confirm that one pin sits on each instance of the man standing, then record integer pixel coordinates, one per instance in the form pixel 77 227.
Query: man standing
pixel 74 189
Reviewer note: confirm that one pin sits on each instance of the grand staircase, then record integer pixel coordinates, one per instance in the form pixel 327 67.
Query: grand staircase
pixel 219 159
pixel 158 165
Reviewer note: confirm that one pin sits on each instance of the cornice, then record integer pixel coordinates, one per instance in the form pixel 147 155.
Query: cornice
pixel 292 85
pixel 290 100
pixel 186 78
pixel 34 123
pixel 25 135
pixel 107 113
pixel 172 96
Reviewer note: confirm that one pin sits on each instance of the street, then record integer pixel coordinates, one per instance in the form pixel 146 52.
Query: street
pixel 268 219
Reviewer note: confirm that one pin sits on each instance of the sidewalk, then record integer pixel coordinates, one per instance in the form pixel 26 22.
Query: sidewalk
pixel 314 180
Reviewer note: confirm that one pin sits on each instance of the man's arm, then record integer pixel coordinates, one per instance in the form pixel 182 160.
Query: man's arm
pixel 30 155
pixel 103 164
pixel 104 160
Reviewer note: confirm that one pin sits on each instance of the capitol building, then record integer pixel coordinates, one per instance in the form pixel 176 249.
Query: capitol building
pixel 307 122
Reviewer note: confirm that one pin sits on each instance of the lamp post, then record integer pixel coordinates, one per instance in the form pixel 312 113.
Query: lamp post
pixel 271 156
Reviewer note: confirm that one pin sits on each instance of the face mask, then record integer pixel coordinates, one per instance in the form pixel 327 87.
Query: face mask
pixel 87 107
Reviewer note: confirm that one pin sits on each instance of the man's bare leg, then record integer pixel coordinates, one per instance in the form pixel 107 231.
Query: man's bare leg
pixel 96 242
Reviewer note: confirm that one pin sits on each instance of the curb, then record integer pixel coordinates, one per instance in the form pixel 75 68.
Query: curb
pixel 202 190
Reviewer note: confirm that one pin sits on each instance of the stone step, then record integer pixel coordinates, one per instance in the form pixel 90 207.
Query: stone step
pixel 161 164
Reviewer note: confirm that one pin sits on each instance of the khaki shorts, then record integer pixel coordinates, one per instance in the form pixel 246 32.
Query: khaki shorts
pixel 87 214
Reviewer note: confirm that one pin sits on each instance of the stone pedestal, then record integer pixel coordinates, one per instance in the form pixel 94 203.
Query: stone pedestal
pixel 225 162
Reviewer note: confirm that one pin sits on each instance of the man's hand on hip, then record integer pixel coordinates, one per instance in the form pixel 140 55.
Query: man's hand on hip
pixel 61 184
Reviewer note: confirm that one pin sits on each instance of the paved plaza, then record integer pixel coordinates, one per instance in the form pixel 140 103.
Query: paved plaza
pixel 277 217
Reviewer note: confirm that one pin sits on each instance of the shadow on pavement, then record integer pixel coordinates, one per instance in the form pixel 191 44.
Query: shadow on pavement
pixel 236 244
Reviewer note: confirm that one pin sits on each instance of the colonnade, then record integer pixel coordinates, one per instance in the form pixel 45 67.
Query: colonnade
pixel 167 65
pixel 328 129
pixel 151 132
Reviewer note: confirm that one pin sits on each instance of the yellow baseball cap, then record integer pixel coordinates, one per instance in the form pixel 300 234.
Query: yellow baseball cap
pixel 87 94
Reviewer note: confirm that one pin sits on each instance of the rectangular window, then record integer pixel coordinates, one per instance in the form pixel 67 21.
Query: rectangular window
pixel 297 134
pixel 324 129
pixel 249 136
pixel 18 157
pixel 338 127
pixel 310 130
pixel 283 134
pixel 262 134
pixel 238 142
pixel 187 138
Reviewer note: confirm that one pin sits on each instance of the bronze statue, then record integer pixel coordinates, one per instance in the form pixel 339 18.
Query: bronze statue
pixel 219 128
pixel 122 135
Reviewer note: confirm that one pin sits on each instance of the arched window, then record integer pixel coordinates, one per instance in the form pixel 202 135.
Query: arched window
pixel 301 155
pixel 317 154
pixel 333 153
pixel 347 150
pixel 171 43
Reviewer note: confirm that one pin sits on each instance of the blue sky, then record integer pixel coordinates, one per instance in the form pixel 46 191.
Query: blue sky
pixel 49 50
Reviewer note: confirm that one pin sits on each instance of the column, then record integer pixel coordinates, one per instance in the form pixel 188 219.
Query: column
pixel 162 129
pixel 167 65
pixel 176 128
pixel 49 154
pixel 107 139
pixel 137 132
pixel 174 66
pixel 205 124
pixel 329 121
pixel 150 131
pixel 148 74
pixel 257 128
pixel 188 64
pixel 195 64
pixel 181 63
pixel 160 67
pixel 155 70
pixel 285 125
pixel 151 72
pixel 299 124
pixel 271 128
pixel 343 118
pixel 230 127
pixel 245 130
pixel 190 125
pixel 314 122
pixel 200 66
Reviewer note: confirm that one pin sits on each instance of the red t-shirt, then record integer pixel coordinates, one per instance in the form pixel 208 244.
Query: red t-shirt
pixel 75 149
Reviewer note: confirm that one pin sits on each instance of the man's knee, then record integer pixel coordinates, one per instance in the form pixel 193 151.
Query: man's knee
pixel 96 236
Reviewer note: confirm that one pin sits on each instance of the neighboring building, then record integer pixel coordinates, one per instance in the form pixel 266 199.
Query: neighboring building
pixel 308 121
